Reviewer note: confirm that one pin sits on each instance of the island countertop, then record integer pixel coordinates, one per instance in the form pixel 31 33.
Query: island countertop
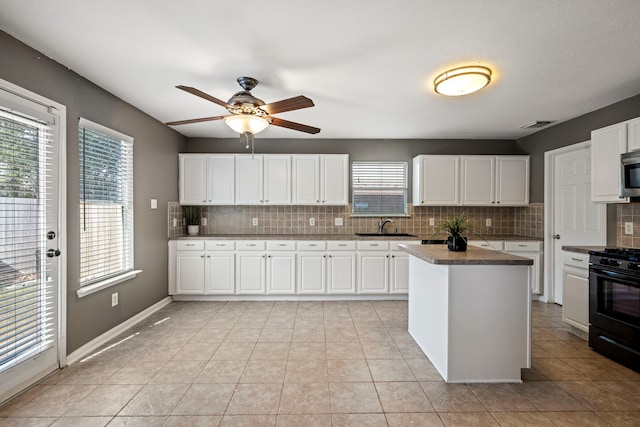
pixel 439 254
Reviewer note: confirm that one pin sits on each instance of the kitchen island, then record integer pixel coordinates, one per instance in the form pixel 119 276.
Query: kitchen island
pixel 470 312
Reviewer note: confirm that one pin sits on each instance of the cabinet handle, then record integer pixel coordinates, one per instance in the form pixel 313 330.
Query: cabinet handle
pixel 251 244
pixel 191 244
pixel 282 244
pixel 313 245
pixel 204 201
pixel 317 201
pixel 522 246
pixel 267 201
pixel 498 201
pixel 202 256
pixel 342 244
pixel 208 256
pixel 577 259
pixel 329 256
pixel 374 244
pixel 393 256
pixel 269 256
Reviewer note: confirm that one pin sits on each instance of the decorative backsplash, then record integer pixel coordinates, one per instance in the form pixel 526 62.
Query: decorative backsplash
pixel 524 221
pixel 628 212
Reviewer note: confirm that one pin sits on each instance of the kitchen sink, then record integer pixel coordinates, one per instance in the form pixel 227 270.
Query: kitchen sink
pixel 385 235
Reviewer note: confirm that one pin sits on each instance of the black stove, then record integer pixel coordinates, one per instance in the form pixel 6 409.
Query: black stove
pixel 614 304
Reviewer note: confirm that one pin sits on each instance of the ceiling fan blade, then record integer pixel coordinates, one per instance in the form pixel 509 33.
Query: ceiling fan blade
pixel 201 94
pixel 203 119
pixel 295 103
pixel 295 126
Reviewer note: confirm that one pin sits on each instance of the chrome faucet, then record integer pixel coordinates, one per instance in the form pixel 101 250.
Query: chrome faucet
pixel 382 223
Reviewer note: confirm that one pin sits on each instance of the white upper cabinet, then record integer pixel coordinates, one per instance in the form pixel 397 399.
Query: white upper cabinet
pixel 193 179
pixel 512 180
pixel 320 179
pixel 306 179
pixel 221 179
pixel 633 134
pixel 207 179
pixel 436 180
pixel 606 146
pixel 249 179
pixel 334 179
pixel 478 180
pixel 277 179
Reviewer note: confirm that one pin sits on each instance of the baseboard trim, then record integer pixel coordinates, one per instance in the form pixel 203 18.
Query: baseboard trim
pixel 335 297
pixel 95 343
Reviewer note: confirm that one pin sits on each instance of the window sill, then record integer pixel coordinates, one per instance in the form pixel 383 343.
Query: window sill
pixel 96 287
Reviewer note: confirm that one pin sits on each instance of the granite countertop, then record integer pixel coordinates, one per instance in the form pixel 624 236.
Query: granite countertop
pixel 583 249
pixel 439 254
pixel 389 236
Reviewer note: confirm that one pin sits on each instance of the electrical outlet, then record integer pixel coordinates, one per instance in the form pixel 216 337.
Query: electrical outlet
pixel 488 222
pixel 204 221
pixel 338 221
pixel 174 222
pixel 254 221
pixel 628 228
pixel 432 221
pixel 154 203
pixel 312 222
pixel 114 299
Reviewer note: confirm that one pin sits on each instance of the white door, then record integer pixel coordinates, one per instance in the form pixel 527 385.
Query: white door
pixel 577 221
pixel 193 179
pixel 220 273
pixel 341 272
pixel 335 179
pixel 372 267
pixel 281 273
pixel 478 180
pixel 190 272
pixel 512 180
pixel 440 180
pixel 32 242
pixel 306 179
pixel 311 272
pixel 249 179
pixel 277 179
pixel 221 179
pixel 399 273
pixel 250 273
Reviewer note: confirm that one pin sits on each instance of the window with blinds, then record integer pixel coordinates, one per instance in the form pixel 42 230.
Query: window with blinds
pixel 106 203
pixel 26 296
pixel 379 188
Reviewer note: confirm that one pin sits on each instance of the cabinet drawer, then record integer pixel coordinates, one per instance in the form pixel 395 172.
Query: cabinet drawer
pixel 311 245
pixel 496 245
pixel 250 245
pixel 522 246
pixel 394 245
pixel 281 245
pixel 221 245
pixel 341 246
pixel 575 259
pixel 190 245
pixel 373 246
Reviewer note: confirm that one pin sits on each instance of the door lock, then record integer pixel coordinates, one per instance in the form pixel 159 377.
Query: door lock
pixel 53 253
pixel 556 236
pixel 51 235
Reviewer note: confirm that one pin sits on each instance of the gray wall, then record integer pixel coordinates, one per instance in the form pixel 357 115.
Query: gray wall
pixel 358 149
pixel 155 176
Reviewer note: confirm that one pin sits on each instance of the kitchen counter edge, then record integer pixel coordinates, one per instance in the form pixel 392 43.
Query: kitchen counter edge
pixel 508 237
pixel 439 254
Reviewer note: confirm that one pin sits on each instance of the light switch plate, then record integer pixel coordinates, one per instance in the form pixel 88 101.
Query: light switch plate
pixel 488 222
pixel 204 221
pixel 312 222
pixel 114 299
pixel 432 221
pixel 628 228
pixel 254 221
pixel 154 203
pixel 338 222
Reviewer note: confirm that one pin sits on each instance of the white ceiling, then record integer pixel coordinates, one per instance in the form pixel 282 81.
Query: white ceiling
pixel 367 64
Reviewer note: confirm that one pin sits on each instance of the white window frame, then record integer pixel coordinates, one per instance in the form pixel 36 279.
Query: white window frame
pixel 128 272
pixel 369 186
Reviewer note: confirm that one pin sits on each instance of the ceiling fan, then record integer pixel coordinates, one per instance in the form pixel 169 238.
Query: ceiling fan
pixel 250 115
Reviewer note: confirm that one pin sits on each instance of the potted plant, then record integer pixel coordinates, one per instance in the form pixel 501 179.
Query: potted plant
pixel 456 227
pixel 192 215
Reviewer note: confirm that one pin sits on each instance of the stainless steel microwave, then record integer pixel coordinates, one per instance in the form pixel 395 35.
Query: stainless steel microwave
pixel 630 170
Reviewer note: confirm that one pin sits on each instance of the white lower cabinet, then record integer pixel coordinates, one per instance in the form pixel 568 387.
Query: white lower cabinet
pixel 341 267
pixel 203 269
pixel 312 267
pixel 533 251
pixel 575 290
pixel 399 272
pixel 373 267
pixel 250 267
pixel 281 267
pixel 190 268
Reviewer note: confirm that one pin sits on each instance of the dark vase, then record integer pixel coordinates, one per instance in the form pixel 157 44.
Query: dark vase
pixel 457 243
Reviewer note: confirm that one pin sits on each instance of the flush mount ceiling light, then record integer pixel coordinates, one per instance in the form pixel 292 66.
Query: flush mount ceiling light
pixel 243 123
pixel 462 80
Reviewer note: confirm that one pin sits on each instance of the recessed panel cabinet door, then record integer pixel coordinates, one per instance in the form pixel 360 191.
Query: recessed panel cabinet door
pixel 193 179
pixel 281 273
pixel 277 179
pixel 512 180
pixel 250 273
pixel 341 272
pixel 399 273
pixel 437 180
pixel 606 146
pixel 249 179
pixel 306 179
pixel 334 184
pixel 221 183
pixel 221 273
pixel 190 272
pixel 373 269
pixel 478 175
pixel 311 272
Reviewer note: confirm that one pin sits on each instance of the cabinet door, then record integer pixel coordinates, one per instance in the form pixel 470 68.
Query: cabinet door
pixel 478 180
pixel 249 179
pixel 512 180
pixel 190 272
pixel 536 269
pixel 193 179
pixel 399 273
pixel 250 272
pixel 438 180
pixel 306 179
pixel 221 179
pixel 633 136
pixel 606 146
pixel 277 179
pixel 221 273
pixel 373 273
pixel 311 272
pixel 281 273
pixel 341 272
pixel 575 299
pixel 334 183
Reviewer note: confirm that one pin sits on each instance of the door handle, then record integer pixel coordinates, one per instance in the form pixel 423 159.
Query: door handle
pixel 53 253
pixel 556 236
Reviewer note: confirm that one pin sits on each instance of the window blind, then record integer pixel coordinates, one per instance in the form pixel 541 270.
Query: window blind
pixel 106 202
pixel 27 304
pixel 379 188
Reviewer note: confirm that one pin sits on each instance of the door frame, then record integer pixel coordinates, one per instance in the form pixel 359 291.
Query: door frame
pixel 60 112
pixel 549 209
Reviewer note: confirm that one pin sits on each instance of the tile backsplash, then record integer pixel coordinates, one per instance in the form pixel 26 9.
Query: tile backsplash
pixel 628 212
pixel 524 221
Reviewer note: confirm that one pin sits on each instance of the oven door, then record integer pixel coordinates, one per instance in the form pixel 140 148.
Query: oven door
pixel 614 314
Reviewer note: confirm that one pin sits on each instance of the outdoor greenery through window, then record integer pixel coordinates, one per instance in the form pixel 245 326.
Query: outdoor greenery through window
pixel 106 202
pixel 379 188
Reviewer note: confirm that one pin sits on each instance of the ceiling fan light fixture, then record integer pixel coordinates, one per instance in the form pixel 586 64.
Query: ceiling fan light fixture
pixel 462 80
pixel 242 123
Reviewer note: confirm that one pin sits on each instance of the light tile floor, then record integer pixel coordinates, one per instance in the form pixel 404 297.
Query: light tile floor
pixel 317 364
